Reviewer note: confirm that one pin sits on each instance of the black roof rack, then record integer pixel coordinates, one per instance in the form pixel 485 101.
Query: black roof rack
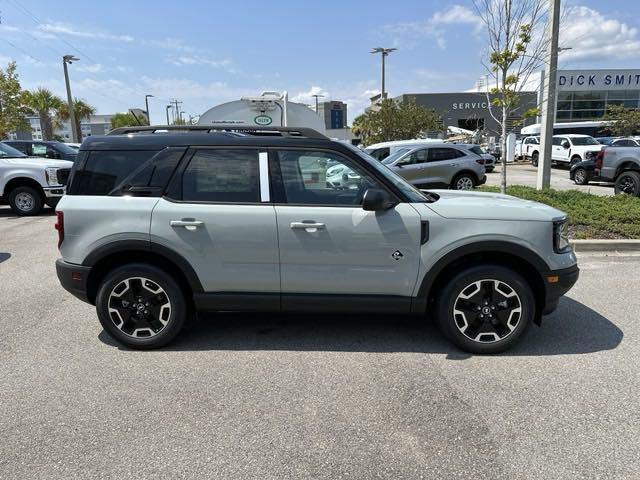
pixel 290 132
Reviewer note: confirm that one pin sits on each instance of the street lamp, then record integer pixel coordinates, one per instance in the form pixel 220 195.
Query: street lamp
pixel 146 103
pixel 167 110
pixel 72 114
pixel 317 95
pixel 384 52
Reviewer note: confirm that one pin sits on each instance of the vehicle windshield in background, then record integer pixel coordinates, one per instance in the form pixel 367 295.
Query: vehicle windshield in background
pixel 7 151
pixel 477 149
pixel 394 156
pixel 584 141
pixel 66 149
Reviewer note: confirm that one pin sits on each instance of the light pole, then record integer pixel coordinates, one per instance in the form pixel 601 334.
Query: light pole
pixel 384 52
pixel 72 114
pixel 167 110
pixel 549 98
pixel 317 95
pixel 146 103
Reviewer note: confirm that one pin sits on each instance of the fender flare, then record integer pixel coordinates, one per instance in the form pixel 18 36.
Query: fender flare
pixel 133 245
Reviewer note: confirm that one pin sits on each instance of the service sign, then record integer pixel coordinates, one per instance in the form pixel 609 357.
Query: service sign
pixel 588 80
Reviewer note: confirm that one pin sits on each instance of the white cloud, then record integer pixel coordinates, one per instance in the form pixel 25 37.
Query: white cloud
pixel 592 36
pixel 198 60
pixel 435 26
pixel 91 68
pixel 170 43
pixel 65 29
pixel 307 97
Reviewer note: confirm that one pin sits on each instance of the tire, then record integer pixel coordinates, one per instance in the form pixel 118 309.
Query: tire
pixel 52 202
pixel 628 183
pixel 580 176
pixel 127 320
pixel 463 181
pixel 534 159
pixel 575 159
pixel 26 201
pixel 510 311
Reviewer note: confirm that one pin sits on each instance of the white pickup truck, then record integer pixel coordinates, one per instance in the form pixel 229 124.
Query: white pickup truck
pixel 567 149
pixel 28 183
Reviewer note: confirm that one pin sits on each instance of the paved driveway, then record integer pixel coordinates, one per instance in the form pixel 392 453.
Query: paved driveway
pixel 526 174
pixel 273 397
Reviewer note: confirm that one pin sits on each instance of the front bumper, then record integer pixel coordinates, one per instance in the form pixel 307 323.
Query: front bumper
pixel 557 283
pixel 73 278
pixel 54 192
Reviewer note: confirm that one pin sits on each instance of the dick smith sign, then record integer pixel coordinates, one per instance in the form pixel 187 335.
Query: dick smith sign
pixel 576 80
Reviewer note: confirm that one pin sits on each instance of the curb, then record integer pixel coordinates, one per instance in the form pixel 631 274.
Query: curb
pixel 606 245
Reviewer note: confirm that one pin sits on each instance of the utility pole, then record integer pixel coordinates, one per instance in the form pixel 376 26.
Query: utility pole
pixel 167 111
pixel 384 52
pixel 177 115
pixel 146 104
pixel 549 98
pixel 72 113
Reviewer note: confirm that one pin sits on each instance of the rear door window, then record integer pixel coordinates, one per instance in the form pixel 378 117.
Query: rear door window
pixel 439 154
pixel 104 170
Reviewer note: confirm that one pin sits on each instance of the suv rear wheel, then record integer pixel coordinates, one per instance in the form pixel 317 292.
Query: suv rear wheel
pixel 485 309
pixel 25 201
pixel 464 181
pixel 141 306
pixel 628 183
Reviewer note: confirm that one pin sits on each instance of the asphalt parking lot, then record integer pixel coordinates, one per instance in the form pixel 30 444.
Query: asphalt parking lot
pixel 526 174
pixel 273 397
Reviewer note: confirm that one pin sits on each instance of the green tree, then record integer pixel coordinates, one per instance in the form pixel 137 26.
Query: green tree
pixel 45 103
pixel 516 51
pixel 623 122
pixel 12 102
pixel 127 119
pixel 81 110
pixel 393 120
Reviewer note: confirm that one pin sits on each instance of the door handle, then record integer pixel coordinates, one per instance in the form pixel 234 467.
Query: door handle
pixel 308 226
pixel 188 224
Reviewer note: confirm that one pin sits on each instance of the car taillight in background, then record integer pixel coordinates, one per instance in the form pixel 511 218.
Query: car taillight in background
pixel 480 161
pixel 597 163
pixel 59 226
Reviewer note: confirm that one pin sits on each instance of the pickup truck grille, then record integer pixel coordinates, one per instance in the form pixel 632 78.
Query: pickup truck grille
pixel 63 175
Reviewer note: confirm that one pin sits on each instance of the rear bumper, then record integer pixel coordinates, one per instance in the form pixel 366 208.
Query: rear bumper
pixel 557 283
pixel 73 278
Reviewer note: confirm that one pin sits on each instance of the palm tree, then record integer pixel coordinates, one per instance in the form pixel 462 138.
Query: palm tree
pixel 44 101
pixel 81 109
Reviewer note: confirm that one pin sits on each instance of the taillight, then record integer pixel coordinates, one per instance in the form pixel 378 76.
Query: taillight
pixel 598 161
pixel 480 161
pixel 59 226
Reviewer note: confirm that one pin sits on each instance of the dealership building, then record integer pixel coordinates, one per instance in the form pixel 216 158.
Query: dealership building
pixel 582 95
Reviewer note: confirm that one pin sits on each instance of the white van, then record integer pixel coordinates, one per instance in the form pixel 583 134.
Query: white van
pixel 382 150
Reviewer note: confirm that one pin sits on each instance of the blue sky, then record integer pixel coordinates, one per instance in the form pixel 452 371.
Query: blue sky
pixel 207 52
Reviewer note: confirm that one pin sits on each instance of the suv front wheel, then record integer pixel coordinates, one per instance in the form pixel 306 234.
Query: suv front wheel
pixel 485 309
pixel 141 306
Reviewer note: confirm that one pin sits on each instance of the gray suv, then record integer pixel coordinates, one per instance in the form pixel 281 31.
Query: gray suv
pixel 158 222
pixel 439 165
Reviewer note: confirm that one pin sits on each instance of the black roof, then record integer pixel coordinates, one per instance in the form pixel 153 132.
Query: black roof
pixel 159 137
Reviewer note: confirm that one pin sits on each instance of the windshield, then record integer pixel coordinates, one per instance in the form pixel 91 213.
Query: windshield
pixel 66 149
pixel 584 141
pixel 477 149
pixel 413 194
pixel 7 151
pixel 394 156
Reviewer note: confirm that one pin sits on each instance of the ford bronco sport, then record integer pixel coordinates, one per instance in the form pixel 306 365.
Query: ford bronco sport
pixel 158 221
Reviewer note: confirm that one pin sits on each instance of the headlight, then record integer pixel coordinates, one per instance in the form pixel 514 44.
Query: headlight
pixel 52 176
pixel 561 236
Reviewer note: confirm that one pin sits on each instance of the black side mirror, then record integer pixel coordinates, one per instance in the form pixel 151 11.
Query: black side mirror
pixel 376 199
pixel 565 144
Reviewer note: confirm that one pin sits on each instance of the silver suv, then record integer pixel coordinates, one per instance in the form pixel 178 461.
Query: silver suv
pixel 441 165
pixel 159 223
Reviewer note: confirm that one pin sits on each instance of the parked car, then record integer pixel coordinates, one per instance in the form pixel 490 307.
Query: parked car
pixel 620 165
pixel 45 149
pixel 382 150
pixel 604 140
pixel 625 142
pixel 28 183
pixel 568 149
pixel 155 225
pixel 531 149
pixel 584 172
pixel 441 164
